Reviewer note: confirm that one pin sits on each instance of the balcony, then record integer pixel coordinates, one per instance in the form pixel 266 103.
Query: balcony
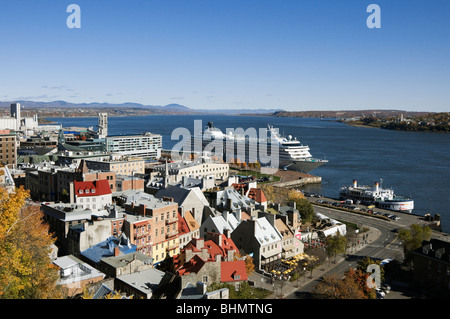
pixel 171 221
pixel 172 233
pixel 171 247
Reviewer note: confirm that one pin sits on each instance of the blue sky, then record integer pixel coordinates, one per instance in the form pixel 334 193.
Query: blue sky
pixel 289 54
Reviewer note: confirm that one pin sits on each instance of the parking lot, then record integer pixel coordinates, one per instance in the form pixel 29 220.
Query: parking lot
pixel 349 205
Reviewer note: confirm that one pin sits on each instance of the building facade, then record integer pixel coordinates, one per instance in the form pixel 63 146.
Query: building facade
pixel 147 145
pixel 8 148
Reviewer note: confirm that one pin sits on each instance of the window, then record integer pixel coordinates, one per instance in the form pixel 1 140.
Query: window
pixel 205 279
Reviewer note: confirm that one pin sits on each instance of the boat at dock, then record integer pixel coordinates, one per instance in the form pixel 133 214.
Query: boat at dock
pixel 384 198
pixel 292 154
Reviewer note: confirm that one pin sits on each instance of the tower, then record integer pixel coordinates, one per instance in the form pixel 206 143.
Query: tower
pixel 15 113
pixel 102 125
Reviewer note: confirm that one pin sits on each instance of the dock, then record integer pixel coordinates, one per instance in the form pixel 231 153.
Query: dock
pixel 292 179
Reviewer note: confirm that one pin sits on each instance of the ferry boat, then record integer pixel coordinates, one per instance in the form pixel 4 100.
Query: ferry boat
pixel 377 195
pixel 292 155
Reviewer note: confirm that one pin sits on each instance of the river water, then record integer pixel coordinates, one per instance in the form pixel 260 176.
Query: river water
pixel 415 164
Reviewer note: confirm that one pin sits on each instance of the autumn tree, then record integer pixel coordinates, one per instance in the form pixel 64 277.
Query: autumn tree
pixel 333 287
pixel 249 265
pixel 26 271
pixel 359 277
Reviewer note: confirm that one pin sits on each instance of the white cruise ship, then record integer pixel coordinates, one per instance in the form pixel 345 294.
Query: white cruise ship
pixel 377 195
pixel 292 155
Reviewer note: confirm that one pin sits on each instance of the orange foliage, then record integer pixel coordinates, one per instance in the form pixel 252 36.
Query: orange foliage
pixel 26 270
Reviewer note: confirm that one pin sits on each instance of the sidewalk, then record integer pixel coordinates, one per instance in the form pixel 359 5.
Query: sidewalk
pixel 290 287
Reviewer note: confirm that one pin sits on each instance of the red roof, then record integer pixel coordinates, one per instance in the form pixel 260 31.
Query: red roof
pixel 257 195
pixel 233 271
pixel 92 188
pixel 182 225
pixel 194 265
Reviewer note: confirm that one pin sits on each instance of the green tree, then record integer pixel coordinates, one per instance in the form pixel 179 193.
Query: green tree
pixel 413 238
pixel 335 245
pixel 305 208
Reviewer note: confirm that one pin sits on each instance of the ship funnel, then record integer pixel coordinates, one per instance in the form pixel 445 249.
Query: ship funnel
pixel 355 183
pixel 377 187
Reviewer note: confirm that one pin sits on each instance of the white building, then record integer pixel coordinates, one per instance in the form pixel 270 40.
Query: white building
pixel 102 125
pixel 147 145
pixel 94 195
pixel 15 122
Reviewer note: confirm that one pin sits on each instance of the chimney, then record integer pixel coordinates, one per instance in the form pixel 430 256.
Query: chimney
pixel 181 211
pixel 227 232
pixel 199 243
pixel 201 288
pixel 229 204
pixel 142 209
pixel 238 214
pixel 218 239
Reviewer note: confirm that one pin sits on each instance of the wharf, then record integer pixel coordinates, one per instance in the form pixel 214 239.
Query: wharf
pixel 290 179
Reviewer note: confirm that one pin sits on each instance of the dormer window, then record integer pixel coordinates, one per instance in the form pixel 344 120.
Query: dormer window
pixel 87 191
pixel 93 190
pixel 80 191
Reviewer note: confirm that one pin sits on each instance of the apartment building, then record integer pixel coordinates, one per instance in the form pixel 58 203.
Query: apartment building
pixel 129 166
pixel 8 148
pixel 160 232
pixel 147 145
pixel 177 170
pixel 259 237
pixel 95 195
pixel 50 182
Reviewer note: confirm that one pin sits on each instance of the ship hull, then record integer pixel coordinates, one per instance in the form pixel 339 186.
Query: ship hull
pixel 303 166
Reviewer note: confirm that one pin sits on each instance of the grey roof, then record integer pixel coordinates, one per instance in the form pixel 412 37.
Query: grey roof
pixel 179 193
pixel 237 200
pixel 145 281
pixel 122 260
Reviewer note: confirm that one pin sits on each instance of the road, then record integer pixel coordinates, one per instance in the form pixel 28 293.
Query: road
pixel 382 243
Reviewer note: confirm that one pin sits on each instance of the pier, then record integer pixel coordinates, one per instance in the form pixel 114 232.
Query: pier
pixel 291 179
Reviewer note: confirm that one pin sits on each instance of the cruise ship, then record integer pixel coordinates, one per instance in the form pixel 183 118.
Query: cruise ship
pixel 292 155
pixel 378 196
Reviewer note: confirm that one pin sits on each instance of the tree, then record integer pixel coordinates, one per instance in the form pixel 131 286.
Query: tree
pixel 413 238
pixel 26 271
pixel 305 208
pixel 360 278
pixel 249 265
pixel 366 261
pixel 332 287
pixel 335 244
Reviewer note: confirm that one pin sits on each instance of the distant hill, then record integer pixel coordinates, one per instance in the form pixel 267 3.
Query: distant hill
pixel 348 113
pixel 128 108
